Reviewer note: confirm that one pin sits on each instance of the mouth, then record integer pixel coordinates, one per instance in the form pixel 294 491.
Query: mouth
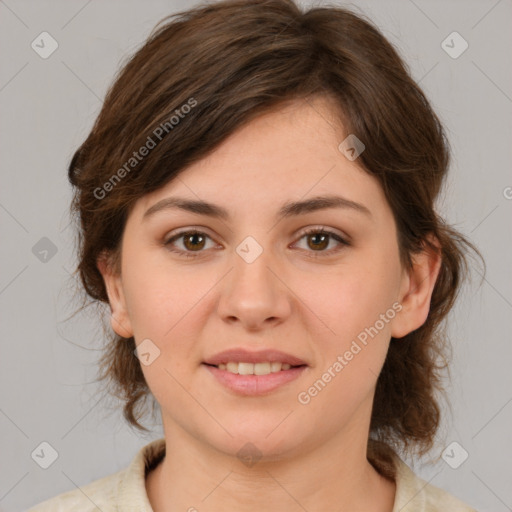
pixel 246 368
pixel 244 357
pixel 254 373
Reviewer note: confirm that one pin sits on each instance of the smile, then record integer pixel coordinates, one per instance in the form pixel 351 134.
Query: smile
pixel 254 368
pixel 253 379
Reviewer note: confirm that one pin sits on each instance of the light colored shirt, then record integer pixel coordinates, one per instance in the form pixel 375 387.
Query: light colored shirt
pixel 125 491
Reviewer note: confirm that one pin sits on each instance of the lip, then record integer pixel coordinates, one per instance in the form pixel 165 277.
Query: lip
pixel 241 355
pixel 254 385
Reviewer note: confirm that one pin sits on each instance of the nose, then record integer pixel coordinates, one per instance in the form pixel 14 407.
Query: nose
pixel 254 294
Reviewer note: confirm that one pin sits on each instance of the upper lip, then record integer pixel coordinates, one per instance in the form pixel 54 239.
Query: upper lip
pixel 242 355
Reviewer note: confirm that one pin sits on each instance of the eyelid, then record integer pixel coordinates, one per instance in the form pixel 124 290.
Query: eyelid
pixel 324 229
pixel 342 239
pixel 190 229
pixel 187 231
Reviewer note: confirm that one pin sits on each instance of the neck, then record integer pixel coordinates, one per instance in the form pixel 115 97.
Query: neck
pixel 194 476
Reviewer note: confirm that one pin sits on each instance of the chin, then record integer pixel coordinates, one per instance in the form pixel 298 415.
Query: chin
pixel 258 442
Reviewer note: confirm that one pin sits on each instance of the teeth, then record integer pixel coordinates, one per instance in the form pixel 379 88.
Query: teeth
pixel 275 367
pixel 232 367
pixel 254 368
pixel 246 368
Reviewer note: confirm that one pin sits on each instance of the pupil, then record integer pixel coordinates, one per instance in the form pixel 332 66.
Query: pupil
pixel 323 236
pixel 192 237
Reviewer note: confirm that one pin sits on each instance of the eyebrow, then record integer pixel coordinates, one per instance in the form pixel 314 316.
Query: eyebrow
pixel 289 209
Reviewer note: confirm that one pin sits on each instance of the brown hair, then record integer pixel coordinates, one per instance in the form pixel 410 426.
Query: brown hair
pixel 229 62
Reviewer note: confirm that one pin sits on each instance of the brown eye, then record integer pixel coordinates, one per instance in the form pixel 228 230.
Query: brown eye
pixel 318 239
pixel 192 242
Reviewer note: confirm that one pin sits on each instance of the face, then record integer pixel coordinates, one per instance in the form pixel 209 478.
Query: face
pixel 323 285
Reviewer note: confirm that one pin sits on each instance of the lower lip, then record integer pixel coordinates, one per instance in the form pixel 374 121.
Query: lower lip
pixel 254 385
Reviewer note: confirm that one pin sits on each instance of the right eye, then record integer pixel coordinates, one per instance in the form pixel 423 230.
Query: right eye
pixel 193 242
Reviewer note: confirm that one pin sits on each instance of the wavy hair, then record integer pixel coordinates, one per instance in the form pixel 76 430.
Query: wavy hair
pixel 238 59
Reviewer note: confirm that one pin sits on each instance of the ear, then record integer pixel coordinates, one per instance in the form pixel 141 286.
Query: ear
pixel 119 319
pixel 416 290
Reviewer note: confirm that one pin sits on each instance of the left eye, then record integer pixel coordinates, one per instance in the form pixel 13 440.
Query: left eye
pixel 319 239
pixel 194 241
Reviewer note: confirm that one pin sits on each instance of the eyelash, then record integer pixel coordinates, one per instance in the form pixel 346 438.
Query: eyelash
pixel 310 231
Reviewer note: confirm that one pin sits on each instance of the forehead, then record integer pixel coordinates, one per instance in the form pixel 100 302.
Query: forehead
pixel 280 157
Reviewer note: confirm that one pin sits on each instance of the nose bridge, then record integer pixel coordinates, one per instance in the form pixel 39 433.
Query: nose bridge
pixel 251 269
pixel 253 294
pixel 251 277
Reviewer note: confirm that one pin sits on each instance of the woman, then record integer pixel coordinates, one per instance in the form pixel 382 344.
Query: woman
pixel 256 202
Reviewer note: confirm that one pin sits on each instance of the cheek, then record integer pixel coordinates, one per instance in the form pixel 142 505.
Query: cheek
pixel 351 358
pixel 166 306
pixel 357 304
pixel 352 300
pixel 161 298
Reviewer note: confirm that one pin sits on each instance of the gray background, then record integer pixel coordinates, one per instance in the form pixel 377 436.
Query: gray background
pixel 47 364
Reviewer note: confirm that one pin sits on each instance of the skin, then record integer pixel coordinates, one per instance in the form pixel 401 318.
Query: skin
pixel 312 455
